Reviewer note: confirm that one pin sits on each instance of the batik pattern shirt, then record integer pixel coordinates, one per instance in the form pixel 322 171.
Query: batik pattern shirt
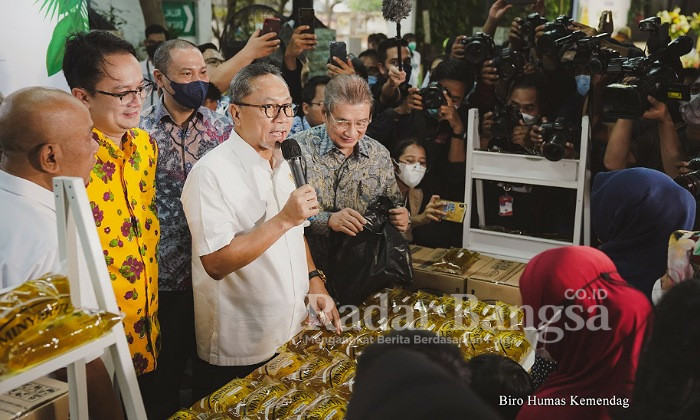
pixel 179 148
pixel 122 197
pixel 299 124
pixel 342 182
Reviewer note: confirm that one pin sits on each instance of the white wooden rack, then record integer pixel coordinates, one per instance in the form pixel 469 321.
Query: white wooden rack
pixel 522 169
pixel 80 249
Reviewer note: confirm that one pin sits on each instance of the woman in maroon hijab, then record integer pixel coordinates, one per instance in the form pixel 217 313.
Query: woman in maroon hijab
pixel 602 327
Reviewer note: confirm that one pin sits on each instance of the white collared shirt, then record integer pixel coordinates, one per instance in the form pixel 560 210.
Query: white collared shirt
pixel 243 318
pixel 28 234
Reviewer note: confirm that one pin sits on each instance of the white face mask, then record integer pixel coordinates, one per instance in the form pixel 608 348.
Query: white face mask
pixel 529 119
pixel 411 174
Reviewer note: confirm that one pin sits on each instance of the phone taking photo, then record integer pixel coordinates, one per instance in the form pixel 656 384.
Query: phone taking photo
pixel 338 49
pixel 271 25
pixel 307 17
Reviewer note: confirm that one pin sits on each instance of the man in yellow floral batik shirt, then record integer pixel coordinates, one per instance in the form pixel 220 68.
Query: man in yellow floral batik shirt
pixel 103 72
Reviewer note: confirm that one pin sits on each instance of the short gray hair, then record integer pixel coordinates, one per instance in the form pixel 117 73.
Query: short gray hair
pixel 163 55
pixel 242 86
pixel 347 89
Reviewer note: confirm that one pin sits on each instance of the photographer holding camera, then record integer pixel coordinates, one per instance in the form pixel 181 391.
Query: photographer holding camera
pixel 513 121
pixel 656 142
pixel 437 117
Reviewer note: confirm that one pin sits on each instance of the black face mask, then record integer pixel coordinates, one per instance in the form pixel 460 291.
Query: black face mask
pixel 151 50
pixel 408 69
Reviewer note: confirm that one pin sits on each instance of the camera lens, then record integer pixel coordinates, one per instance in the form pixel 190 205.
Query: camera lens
pixel 501 128
pixel 597 64
pixel 554 149
pixel 475 52
pixel 507 69
pixel 624 101
pixel 433 98
pixel 694 164
pixel 690 182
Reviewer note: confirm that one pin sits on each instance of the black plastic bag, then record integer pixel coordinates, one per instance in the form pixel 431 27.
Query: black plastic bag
pixel 376 258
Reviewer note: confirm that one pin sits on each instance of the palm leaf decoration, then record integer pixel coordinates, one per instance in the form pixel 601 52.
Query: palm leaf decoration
pixel 72 17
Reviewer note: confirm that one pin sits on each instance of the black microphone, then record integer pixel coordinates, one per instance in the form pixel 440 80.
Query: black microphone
pixel 292 154
pixel 679 46
pixel 395 10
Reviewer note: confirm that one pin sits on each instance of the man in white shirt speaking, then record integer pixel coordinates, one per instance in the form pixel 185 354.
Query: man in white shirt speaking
pixel 251 266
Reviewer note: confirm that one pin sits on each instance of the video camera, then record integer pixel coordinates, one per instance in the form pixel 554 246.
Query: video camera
pixel 653 75
pixel 591 53
pixel 555 136
pixel 554 33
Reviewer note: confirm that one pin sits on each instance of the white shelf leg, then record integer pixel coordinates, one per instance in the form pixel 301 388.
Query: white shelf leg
pixel 77 390
pixel 77 234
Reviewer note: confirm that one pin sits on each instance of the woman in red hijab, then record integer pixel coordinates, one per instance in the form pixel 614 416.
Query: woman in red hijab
pixel 597 352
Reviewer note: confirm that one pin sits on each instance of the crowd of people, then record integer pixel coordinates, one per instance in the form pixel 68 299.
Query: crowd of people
pixel 214 252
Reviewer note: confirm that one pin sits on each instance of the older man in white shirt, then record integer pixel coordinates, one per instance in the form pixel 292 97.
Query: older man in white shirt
pixel 44 133
pixel 251 267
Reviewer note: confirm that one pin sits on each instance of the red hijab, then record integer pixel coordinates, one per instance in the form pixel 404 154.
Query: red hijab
pixel 592 363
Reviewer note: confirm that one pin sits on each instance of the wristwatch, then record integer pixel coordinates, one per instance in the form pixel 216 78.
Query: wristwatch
pixel 319 274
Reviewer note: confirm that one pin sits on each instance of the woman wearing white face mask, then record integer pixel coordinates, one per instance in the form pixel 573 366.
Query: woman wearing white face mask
pixel 410 166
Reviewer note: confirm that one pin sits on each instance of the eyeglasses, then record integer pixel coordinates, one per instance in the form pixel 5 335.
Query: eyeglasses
pixel 342 124
pixel 128 96
pixel 273 110
pixel 319 103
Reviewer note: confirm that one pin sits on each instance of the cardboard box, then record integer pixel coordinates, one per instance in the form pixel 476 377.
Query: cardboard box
pixel 426 278
pixel 492 286
pixel 497 271
pixel 41 399
pixel 426 256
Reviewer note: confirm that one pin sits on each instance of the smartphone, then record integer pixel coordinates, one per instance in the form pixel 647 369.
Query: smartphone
pixel 338 49
pixel 307 17
pixel 455 210
pixel 271 25
pixel 520 2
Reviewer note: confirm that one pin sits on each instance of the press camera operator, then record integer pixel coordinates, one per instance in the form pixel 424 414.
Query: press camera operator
pixel 510 128
pixel 646 132
pixel 437 116
pixel 514 119
pixel 656 143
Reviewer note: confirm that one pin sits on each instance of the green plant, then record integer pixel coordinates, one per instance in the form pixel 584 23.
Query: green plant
pixel 112 16
pixel 72 17
pixel 365 5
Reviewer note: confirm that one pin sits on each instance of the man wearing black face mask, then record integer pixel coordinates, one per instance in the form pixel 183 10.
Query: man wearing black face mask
pixel 184 130
pixel 155 35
